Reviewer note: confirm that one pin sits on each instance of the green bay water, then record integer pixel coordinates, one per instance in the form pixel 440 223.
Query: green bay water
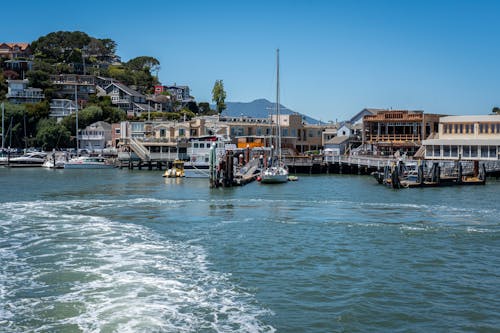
pixel 130 251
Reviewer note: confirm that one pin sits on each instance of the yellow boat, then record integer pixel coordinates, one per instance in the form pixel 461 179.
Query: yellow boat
pixel 176 171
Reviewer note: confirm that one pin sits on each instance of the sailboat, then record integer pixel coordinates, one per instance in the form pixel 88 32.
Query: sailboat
pixel 276 172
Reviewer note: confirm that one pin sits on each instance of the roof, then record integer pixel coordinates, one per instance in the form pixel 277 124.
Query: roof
pixel 478 118
pixel 22 46
pixel 337 140
pixel 126 89
pixel 100 124
pixel 143 107
pixel 463 142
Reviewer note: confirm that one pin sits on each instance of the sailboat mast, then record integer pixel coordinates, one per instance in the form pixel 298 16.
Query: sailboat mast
pixel 278 120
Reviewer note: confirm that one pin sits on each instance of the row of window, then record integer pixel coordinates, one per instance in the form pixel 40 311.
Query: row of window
pixel 462 151
pixel 484 128
pixel 240 131
pixel 458 128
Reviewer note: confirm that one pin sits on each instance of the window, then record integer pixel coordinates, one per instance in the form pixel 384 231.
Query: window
pixel 181 132
pixel 493 151
pixel 473 151
pixel 454 151
pixel 163 133
pixel 437 151
pixel 484 151
pixel 446 151
pixel 466 151
pixel 428 151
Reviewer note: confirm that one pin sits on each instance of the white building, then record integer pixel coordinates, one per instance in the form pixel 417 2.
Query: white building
pixel 19 92
pixel 96 136
pixel 60 108
pixel 465 138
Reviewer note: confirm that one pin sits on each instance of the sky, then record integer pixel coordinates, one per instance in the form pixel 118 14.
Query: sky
pixel 336 57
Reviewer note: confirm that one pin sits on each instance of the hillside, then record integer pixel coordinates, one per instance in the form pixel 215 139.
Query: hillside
pixel 260 108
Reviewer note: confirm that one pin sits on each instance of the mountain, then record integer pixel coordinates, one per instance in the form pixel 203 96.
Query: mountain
pixel 260 108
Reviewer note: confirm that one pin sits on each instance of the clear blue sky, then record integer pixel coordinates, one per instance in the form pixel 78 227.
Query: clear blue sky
pixel 337 57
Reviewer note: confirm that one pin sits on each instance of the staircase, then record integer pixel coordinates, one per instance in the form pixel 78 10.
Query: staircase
pixel 139 149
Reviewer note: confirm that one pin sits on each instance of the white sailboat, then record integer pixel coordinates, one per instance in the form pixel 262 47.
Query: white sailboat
pixel 276 172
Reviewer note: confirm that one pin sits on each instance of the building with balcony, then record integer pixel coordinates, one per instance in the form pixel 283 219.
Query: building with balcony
pixel 66 84
pixel 386 132
pixel 60 108
pixel 95 137
pixel 127 99
pixel 18 92
pixel 465 138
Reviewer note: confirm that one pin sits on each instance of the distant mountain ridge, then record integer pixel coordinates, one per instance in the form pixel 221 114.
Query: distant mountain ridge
pixel 260 108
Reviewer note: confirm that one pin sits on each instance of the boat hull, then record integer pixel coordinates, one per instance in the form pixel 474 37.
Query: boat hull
pixel 88 166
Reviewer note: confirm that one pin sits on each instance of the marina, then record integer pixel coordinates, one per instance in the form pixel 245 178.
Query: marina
pixel 120 243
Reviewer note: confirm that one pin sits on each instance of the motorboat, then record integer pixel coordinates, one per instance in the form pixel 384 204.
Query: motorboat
pixel 54 162
pixel 176 171
pixel 34 159
pixel 89 162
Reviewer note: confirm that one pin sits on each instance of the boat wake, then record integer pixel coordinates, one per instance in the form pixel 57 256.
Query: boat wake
pixel 66 268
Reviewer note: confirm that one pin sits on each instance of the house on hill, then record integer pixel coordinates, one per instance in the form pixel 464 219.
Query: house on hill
pixel 15 50
pixel 127 99
pixel 18 92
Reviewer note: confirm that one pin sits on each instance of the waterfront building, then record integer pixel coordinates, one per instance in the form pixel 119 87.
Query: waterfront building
pixel 95 137
pixel 465 138
pixel 389 131
pixel 19 92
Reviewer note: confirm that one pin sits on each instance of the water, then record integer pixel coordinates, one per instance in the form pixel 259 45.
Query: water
pixel 121 251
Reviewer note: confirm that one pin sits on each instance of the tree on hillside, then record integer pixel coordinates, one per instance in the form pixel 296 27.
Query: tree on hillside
pixel 204 108
pixel 496 110
pixel 144 63
pixel 219 96
pixel 51 135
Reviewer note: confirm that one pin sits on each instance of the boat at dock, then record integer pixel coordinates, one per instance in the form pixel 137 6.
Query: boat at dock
pixel 176 171
pixel 400 175
pixel 89 162
pixel 35 159
pixel 276 172
pixel 198 165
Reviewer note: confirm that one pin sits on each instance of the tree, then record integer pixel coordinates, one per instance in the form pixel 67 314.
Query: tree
pixel 52 135
pixel 193 107
pixel 219 96
pixel 496 110
pixel 3 87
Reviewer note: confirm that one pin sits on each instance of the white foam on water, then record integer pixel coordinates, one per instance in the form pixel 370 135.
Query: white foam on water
pixel 62 265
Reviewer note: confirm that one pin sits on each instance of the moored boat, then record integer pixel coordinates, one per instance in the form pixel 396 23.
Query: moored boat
pixel 35 159
pixel 89 162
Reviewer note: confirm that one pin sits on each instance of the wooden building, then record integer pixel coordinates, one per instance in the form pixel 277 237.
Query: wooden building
pixel 389 131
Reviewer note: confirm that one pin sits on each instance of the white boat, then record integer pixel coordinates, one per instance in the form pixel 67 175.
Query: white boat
pixel 35 159
pixel 89 162
pixel 54 162
pixel 276 172
pixel 198 165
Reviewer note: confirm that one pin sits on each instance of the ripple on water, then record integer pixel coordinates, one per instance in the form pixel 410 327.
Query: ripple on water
pixel 64 269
